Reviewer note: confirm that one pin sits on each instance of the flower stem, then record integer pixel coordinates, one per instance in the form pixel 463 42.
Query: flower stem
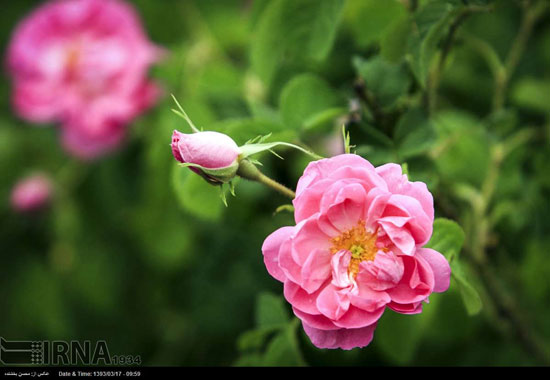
pixel 251 172
pixel 276 186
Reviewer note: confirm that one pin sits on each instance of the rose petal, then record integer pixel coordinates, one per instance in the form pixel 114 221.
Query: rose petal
pixel 345 339
pixel 440 267
pixel 270 250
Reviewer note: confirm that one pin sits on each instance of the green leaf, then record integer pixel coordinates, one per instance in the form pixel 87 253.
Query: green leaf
pixel 470 296
pixel 447 238
pixel 371 19
pixel 270 311
pixel 462 150
pixel 387 81
pixel 290 30
pixel 283 350
pixel 254 339
pixel 195 195
pixel 304 97
pixel 432 20
pixel 323 119
pixel 532 94
pixel 249 360
pixel 398 336
pixel 393 45
pixel 414 133
pixel 375 137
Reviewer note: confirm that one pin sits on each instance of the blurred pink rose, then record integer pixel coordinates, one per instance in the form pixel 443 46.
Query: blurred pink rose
pixel 83 63
pixel 31 193
pixel 355 250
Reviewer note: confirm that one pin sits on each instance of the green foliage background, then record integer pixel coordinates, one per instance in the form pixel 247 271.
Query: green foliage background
pixel 142 253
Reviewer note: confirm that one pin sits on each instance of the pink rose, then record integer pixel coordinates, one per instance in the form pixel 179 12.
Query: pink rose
pixel 83 63
pixel 356 249
pixel 31 193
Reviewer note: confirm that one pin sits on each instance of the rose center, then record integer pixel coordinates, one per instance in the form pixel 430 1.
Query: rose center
pixel 72 57
pixel 359 242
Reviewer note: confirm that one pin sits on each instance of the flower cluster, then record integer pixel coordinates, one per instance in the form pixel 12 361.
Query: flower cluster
pixel 356 249
pixel 83 64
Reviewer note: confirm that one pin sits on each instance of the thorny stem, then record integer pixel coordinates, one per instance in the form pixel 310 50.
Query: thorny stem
pixel 531 14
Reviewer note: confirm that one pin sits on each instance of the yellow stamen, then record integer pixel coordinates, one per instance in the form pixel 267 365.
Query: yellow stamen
pixel 358 241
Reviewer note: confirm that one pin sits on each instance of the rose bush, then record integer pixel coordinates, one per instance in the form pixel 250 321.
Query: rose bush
pixel 82 63
pixel 356 249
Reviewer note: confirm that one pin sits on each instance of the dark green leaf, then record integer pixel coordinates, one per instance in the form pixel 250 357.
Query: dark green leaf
pixel 414 133
pixel 432 21
pixel 398 336
pixel 385 80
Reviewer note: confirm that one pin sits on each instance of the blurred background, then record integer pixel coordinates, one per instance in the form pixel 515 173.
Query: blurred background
pixel 137 251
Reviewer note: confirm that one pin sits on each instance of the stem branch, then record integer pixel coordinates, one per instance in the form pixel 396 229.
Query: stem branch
pixel 503 302
pixel 531 14
pixel 276 186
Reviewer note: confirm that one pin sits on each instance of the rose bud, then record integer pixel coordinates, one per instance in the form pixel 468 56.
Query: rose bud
pixel 31 193
pixel 213 155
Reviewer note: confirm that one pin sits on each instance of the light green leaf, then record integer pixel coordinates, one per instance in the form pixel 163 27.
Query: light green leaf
pixel 462 150
pixel 254 339
pixel 532 93
pixel 305 97
pixel 393 45
pixel 270 311
pixel 470 296
pixel 323 119
pixel 290 30
pixel 371 19
pixel 447 238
